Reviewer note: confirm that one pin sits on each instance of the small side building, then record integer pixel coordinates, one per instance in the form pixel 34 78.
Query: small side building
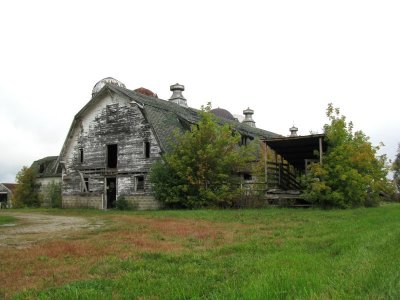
pixel 6 193
pixel 48 172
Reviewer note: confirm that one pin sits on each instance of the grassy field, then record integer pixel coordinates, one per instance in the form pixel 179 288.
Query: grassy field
pixel 214 254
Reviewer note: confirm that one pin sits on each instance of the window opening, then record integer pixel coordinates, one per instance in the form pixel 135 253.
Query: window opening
pixel 247 176
pixel 81 155
pixel 147 149
pixel 112 156
pixel 139 183
pixel 87 184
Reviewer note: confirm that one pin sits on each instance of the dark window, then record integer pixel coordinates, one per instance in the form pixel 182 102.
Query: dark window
pixel 112 156
pixel 139 183
pixel 247 176
pixel 81 155
pixel 147 149
pixel 41 168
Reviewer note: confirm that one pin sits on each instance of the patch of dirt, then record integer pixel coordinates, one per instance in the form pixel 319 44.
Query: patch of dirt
pixel 32 228
pixel 42 250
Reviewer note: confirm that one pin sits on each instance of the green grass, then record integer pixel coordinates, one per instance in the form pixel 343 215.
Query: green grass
pixel 276 254
pixel 7 219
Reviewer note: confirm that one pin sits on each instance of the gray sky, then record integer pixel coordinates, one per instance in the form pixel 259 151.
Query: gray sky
pixel 285 59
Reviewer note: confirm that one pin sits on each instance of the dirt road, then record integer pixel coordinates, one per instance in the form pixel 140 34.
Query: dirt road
pixel 32 227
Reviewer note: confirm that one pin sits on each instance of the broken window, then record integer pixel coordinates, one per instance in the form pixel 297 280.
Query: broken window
pixel 139 183
pixel 112 113
pixel 112 156
pixel 146 149
pixel 85 185
pixel 81 155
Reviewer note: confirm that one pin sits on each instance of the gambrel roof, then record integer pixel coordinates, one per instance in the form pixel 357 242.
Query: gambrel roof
pixel 164 117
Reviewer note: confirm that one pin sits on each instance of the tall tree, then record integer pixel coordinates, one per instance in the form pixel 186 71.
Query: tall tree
pixel 352 173
pixel 26 193
pixel 396 169
pixel 201 169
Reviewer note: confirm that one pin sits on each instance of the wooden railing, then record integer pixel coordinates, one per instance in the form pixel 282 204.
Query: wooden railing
pixel 280 176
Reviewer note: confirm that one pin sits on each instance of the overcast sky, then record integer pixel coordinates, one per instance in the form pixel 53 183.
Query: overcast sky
pixel 284 59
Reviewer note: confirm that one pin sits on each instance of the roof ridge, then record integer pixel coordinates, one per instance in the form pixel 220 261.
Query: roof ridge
pixel 177 110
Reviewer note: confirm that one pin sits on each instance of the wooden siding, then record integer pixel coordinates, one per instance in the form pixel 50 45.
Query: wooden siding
pixel 124 125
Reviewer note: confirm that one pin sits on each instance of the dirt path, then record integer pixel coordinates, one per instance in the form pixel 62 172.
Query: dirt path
pixel 32 227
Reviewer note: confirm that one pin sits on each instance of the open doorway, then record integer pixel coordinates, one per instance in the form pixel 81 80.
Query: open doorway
pixel 111 186
pixel 112 156
pixel 3 200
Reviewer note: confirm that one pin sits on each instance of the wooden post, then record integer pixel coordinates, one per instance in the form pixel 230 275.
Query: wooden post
pixel 320 150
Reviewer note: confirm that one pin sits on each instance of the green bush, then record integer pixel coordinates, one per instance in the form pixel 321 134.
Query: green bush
pixel 123 204
pixel 352 174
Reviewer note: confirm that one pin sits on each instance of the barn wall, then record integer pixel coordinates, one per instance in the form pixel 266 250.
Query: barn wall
pixel 143 202
pixel 83 201
pixel 113 120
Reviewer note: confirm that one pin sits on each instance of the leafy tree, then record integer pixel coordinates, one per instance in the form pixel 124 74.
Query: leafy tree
pixel 351 174
pixel 26 193
pixel 200 170
pixel 396 169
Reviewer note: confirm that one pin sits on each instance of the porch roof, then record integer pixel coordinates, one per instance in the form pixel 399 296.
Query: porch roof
pixel 298 148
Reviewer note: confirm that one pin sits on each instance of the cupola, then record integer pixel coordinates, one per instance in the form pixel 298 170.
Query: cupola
pixel 293 131
pixel 248 119
pixel 108 80
pixel 177 96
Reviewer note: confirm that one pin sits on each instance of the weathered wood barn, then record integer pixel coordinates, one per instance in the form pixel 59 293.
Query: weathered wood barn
pixel 117 136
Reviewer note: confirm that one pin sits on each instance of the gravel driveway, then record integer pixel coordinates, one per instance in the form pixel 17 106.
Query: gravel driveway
pixel 32 227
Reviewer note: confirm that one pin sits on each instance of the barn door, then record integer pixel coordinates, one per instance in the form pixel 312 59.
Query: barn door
pixel 111 192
